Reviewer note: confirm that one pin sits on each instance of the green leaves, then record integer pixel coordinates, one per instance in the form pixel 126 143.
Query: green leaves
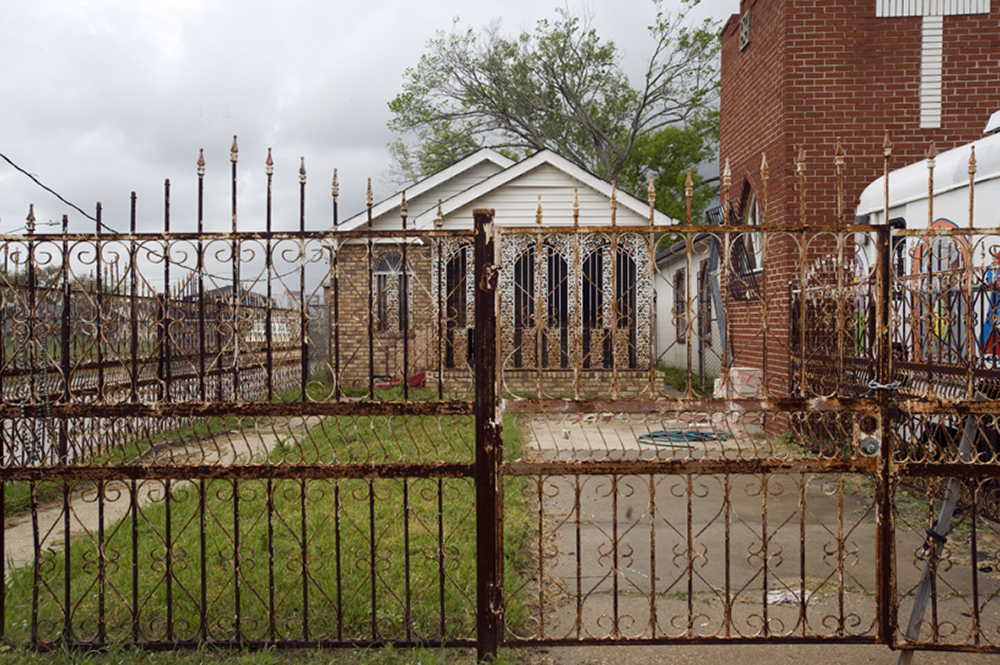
pixel 560 87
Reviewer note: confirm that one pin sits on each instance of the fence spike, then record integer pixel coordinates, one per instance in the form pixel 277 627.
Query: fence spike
pixel 368 195
pixel 302 171
pixel 727 181
pixel 652 200
pixel 839 160
pixel 201 162
pixel 800 167
pixel 576 207
pixel 614 203
pixel 972 184
pixel 439 220
pixel 269 164
pixel 30 226
pixel 335 185
pixel 688 194
pixel 402 208
pixel 538 213
pixel 234 152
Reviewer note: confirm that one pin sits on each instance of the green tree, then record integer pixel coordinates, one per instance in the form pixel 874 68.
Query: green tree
pixel 560 87
pixel 667 154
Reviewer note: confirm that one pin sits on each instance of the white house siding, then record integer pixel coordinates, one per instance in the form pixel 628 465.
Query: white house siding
pixel 516 202
pixel 669 350
pixel 428 200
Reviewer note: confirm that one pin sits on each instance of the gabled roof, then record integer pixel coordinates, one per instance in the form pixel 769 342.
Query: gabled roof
pixel 543 157
pixel 430 182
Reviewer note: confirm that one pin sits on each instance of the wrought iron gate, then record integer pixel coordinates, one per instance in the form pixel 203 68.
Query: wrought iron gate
pixel 202 452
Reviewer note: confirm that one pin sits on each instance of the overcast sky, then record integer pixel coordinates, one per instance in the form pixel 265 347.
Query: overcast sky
pixel 106 97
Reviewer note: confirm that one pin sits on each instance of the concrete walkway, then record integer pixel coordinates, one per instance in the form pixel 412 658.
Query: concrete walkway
pixel 622 554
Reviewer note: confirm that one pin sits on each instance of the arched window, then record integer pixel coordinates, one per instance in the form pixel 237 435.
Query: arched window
pixel 389 304
pixel 746 253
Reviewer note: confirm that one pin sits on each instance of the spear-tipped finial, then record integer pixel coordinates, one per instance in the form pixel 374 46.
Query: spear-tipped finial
pixel 839 153
pixel 30 226
pixel 538 213
pixel 234 152
pixel 614 202
pixel 368 195
pixel 800 160
pixel 335 185
pixel 763 167
pixel 402 206
pixel 886 145
pixel 576 207
pixel 727 174
pixel 651 191
pixel 688 185
pixel 972 161
pixel 201 162
pixel 269 164
pixel 302 171
pixel 439 220
pixel 932 152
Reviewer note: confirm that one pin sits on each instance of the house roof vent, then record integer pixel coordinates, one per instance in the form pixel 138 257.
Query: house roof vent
pixel 993 126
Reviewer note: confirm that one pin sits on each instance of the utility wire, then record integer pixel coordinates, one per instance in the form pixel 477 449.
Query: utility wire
pixel 116 232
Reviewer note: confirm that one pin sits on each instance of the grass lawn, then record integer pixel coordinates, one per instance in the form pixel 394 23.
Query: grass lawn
pixel 292 559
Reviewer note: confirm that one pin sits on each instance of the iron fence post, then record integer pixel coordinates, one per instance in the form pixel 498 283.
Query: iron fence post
pixel 885 551
pixel 489 567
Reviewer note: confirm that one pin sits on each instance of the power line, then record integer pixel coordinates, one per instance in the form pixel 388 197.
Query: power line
pixel 116 232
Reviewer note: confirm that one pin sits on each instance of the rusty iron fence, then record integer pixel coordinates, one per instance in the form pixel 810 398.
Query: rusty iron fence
pixel 422 436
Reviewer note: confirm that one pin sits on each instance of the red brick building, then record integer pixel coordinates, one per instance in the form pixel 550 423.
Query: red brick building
pixel 799 73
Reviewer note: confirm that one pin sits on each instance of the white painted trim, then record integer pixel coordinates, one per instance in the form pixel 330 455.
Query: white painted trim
pixel 586 178
pixel 427 184
pixel 901 8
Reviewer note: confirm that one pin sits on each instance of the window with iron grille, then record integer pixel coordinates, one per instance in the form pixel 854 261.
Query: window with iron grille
pixel 388 302
pixel 680 306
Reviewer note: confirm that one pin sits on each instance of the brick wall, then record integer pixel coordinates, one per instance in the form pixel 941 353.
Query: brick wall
pixel 815 72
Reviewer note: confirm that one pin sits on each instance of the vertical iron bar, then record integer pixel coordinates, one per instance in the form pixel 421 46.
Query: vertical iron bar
pixel 440 555
pixel 100 306
pixel 540 555
pixel 64 350
pixel 578 622
pixel 371 300
pixel 236 559
pixel 976 619
pixel 489 524
pixel 35 570
pixel 268 322
pixel 134 510
pixel 690 554
pixel 802 553
pixel 765 549
pixel 237 296
pixel 133 305
pixel 101 565
pixel 442 333
pixel 653 623
pixel 67 573
pixel 885 544
pixel 407 611
pixel 305 563
pixel 201 287
pixel 303 315
pixel 615 619
pixel 336 530
pixel 169 554
pixel 203 610
pixel 271 627
pixel 371 551
pixel 335 283
pixel 404 307
pixel 167 313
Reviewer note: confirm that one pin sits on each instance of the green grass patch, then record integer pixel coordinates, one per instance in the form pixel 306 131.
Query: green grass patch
pixel 257 559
